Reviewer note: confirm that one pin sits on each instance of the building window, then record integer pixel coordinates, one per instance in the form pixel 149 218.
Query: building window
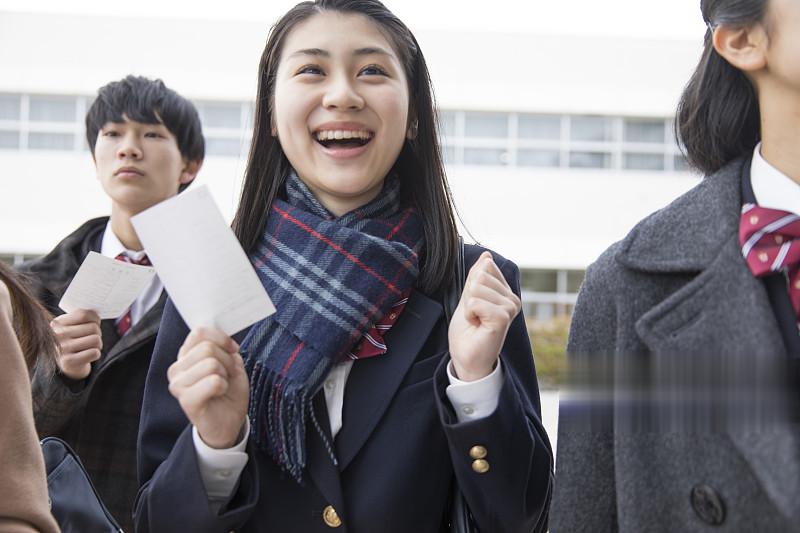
pixel 635 161
pixel 591 129
pixel 539 280
pixel 549 293
pixel 51 141
pixel 16 259
pixel 52 109
pixel 486 125
pixel 589 160
pixel 538 158
pixel 485 156
pixel 9 140
pixel 221 115
pixel 644 131
pixel 9 107
pixel 546 127
pixel 575 280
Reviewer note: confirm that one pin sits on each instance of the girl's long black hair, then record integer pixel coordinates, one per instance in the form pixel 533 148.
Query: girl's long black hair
pixel 420 166
pixel 31 321
pixel 718 118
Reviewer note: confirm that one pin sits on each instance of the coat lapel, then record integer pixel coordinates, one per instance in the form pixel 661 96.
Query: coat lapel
pixel 373 382
pixel 723 307
pixel 141 332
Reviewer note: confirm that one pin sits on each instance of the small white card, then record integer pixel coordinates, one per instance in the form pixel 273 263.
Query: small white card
pixel 203 267
pixel 106 286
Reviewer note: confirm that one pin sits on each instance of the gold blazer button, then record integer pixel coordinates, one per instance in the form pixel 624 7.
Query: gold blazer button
pixel 478 452
pixel 330 517
pixel 480 466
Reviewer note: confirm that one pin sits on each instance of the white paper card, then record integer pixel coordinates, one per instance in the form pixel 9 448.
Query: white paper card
pixel 203 267
pixel 106 286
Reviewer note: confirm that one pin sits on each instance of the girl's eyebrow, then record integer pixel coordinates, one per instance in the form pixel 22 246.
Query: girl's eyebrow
pixel 311 52
pixel 366 51
pixel 371 50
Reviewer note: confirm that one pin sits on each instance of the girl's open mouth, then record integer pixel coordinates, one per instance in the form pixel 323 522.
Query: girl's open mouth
pixel 343 139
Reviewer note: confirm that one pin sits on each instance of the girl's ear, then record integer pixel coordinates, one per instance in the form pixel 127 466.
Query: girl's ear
pixel 413 127
pixel 744 48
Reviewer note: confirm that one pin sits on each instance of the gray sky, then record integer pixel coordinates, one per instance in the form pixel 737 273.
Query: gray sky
pixel 671 19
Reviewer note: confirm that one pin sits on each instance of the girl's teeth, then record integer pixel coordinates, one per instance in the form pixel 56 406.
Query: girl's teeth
pixel 329 135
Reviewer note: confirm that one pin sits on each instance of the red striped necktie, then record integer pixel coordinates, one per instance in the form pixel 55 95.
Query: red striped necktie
pixel 767 237
pixel 124 322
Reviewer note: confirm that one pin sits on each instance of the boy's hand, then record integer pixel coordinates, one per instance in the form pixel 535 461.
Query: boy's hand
pixel 211 385
pixel 79 342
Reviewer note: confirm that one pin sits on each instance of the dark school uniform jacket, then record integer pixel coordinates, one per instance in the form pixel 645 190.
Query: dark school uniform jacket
pixel 690 426
pixel 397 450
pixel 97 416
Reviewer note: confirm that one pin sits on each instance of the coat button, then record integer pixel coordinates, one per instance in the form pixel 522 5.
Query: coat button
pixel 708 505
pixel 481 466
pixel 478 452
pixel 330 517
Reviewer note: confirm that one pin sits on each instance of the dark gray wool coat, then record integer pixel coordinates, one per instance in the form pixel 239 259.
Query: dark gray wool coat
pixel 98 416
pixel 688 426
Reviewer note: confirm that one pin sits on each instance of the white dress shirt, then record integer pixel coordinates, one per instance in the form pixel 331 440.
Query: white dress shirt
pixel 220 469
pixel 771 187
pixel 112 247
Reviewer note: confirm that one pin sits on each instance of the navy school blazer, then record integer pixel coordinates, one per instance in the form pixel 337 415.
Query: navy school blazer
pixel 397 452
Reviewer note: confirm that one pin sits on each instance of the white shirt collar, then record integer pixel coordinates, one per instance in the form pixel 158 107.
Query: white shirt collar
pixel 112 247
pixel 771 187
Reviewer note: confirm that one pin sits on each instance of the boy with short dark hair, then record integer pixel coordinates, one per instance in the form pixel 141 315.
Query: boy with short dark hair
pixel 147 145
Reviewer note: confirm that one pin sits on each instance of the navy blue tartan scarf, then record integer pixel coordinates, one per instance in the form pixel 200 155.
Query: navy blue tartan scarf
pixel 330 279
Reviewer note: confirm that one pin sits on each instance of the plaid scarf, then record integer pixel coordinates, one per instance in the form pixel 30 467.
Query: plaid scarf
pixel 330 279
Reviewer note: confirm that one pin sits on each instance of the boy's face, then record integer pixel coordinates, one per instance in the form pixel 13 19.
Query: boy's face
pixel 140 165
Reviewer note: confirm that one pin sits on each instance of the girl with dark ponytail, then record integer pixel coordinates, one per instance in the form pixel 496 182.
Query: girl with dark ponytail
pixel 684 339
pixel 718 115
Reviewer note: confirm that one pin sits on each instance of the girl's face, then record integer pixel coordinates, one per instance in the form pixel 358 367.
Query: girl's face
pixel 340 107
pixel 783 20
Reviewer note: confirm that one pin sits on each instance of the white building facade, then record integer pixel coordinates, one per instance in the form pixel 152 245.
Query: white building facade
pixel 555 145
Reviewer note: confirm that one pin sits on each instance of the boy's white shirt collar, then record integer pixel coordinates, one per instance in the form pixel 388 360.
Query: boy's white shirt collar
pixel 771 187
pixel 112 247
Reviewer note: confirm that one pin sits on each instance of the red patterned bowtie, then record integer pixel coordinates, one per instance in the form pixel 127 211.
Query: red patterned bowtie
pixel 124 322
pixel 372 342
pixel 767 237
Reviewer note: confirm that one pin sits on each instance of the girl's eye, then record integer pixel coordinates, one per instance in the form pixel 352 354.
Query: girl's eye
pixel 310 69
pixel 110 133
pixel 373 70
pixel 153 134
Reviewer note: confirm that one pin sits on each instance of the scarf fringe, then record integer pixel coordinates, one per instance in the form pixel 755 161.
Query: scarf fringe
pixel 279 430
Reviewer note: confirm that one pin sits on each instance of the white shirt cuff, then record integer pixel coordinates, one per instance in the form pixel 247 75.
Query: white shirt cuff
pixel 473 400
pixel 220 469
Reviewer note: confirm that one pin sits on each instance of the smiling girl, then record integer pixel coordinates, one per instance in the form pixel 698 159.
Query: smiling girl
pixel 357 405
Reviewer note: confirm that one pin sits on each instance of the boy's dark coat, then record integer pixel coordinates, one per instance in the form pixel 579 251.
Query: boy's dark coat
pixel 98 417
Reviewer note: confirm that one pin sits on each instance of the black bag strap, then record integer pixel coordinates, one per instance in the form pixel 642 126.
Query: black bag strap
pixel 460 517
pixel 453 294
